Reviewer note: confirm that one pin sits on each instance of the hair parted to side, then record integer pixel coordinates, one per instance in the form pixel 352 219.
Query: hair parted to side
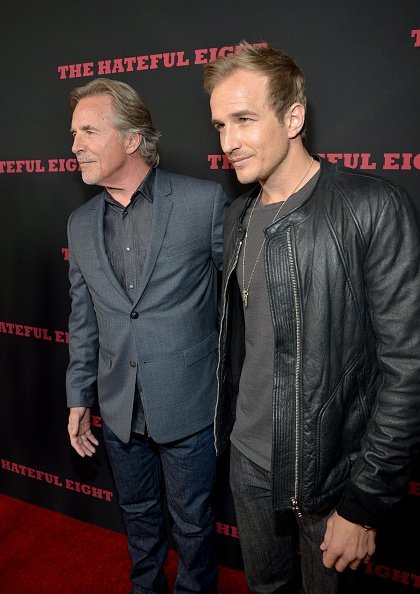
pixel 130 114
pixel 286 82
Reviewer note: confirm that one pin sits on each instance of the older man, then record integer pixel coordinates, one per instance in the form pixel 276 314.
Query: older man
pixel 143 260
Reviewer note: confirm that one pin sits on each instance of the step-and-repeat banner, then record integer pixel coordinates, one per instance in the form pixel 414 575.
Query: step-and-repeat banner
pixel 361 61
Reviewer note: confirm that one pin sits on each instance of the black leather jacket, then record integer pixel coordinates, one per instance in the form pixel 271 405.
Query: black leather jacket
pixel 343 277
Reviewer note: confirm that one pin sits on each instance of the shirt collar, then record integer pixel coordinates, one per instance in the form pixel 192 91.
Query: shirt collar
pixel 146 186
pixel 145 189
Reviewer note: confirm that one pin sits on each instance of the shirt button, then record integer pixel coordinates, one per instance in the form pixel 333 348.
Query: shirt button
pixel 134 315
pixel 131 286
pixel 132 363
pixel 128 249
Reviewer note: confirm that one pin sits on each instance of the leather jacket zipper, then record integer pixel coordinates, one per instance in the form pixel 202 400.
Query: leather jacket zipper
pixel 232 268
pixel 298 315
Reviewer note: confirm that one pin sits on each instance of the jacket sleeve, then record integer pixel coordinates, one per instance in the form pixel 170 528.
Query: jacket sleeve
pixel 392 280
pixel 220 206
pixel 83 341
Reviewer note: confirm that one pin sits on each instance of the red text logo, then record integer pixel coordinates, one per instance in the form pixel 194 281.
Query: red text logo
pixel 174 59
pixel 39 166
pixel 34 332
pixel 361 161
pixel 55 481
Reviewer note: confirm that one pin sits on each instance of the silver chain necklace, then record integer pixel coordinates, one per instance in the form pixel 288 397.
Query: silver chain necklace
pixel 245 290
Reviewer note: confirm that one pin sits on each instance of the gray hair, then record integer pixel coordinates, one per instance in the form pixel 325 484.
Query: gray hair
pixel 130 114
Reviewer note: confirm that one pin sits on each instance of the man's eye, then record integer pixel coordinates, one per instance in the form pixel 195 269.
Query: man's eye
pixel 218 127
pixel 244 119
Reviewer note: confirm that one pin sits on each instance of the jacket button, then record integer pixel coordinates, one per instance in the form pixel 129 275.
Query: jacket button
pixel 132 363
pixel 134 315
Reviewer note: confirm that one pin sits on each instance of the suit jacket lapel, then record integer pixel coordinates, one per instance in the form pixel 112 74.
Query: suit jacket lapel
pixel 162 206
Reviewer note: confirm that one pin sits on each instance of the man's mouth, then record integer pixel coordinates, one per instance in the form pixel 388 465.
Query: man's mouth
pixel 85 162
pixel 239 161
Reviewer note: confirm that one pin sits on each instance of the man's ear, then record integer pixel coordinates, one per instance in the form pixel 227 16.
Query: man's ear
pixel 295 119
pixel 132 142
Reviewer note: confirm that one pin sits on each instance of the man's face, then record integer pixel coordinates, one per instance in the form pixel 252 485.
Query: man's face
pixel 254 140
pixel 97 143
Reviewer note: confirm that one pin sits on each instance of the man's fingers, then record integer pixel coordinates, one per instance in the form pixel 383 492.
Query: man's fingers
pixel 76 446
pixel 84 444
pixel 81 437
pixel 341 562
pixel 87 443
pixel 354 564
pixel 92 438
pixel 328 560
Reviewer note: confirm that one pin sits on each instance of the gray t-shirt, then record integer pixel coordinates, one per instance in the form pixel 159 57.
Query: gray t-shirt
pixel 252 432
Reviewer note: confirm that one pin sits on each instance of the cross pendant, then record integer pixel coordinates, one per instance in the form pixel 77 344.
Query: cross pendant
pixel 245 297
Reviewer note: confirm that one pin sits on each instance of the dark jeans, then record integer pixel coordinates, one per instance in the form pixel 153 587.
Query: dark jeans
pixel 269 540
pixel 187 468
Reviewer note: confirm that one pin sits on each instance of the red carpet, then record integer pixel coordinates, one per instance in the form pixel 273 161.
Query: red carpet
pixel 43 552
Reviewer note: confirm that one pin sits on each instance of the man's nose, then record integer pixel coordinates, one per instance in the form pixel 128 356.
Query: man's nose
pixel 77 145
pixel 229 140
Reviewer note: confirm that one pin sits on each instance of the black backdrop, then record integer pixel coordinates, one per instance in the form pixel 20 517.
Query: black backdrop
pixel 361 63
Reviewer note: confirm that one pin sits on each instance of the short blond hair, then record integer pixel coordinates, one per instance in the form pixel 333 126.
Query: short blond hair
pixel 286 82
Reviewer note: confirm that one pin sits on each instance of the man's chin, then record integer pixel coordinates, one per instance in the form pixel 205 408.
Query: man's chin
pixel 245 178
pixel 90 181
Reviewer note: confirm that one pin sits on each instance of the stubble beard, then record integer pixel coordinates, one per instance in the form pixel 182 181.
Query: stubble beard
pixel 90 180
pixel 247 178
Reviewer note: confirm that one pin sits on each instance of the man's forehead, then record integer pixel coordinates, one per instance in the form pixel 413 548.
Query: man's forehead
pixel 238 89
pixel 95 107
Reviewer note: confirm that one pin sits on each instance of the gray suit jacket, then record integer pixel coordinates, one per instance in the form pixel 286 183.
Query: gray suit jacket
pixel 168 338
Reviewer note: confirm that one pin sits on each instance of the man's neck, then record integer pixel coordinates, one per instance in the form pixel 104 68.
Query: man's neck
pixel 130 182
pixel 294 172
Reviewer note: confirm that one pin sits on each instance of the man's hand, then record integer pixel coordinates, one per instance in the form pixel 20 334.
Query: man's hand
pixel 81 437
pixel 346 544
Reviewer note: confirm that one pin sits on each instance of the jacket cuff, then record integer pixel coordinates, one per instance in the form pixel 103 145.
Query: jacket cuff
pixel 360 507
